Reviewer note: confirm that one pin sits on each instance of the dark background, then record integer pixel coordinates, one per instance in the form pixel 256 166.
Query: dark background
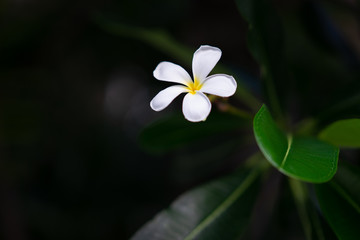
pixel 74 97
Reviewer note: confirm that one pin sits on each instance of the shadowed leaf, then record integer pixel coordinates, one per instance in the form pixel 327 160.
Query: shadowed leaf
pixel 339 200
pixel 170 133
pixel 218 210
pixel 343 133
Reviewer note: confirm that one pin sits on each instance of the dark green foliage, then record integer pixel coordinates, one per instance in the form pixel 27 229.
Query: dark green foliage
pixel 301 56
pixel 339 201
pixel 343 133
pixel 218 210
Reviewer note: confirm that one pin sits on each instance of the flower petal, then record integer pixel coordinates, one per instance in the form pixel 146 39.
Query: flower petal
pixel 219 84
pixel 165 97
pixel 196 107
pixel 204 60
pixel 170 72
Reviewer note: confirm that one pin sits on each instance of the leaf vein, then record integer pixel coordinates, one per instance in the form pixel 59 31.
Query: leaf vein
pixel 224 205
pixel 290 140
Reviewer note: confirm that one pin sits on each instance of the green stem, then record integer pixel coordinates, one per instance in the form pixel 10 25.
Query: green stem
pixel 271 92
pixel 247 98
pixel 257 160
pixel 317 225
pixel 272 95
pixel 306 127
pixel 226 107
pixel 238 112
pixel 300 196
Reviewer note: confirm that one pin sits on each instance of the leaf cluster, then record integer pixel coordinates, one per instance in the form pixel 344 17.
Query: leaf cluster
pixel 298 157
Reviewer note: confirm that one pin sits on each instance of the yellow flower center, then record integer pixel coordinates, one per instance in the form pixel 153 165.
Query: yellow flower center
pixel 194 86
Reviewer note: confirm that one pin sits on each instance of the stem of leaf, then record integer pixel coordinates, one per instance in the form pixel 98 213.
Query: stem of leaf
pixel 300 196
pixel 247 98
pixel 226 107
pixel 238 112
pixel 317 225
pixel 257 160
pixel 271 92
pixel 307 127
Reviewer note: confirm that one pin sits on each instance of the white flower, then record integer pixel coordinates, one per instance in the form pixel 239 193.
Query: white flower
pixel 196 105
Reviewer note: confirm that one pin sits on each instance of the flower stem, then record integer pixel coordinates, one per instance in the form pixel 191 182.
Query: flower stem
pixel 226 107
pixel 239 112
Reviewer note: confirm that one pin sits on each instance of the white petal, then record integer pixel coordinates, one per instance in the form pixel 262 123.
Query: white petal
pixel 170 72
pixel 219 84
pixel 165 97
pixel 196 107
pixel 204 60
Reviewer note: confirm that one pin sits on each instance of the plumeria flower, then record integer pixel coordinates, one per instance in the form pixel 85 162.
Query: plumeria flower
pixel 196 105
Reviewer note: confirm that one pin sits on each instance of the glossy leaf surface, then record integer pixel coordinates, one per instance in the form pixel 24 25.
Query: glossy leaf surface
pixel 304 158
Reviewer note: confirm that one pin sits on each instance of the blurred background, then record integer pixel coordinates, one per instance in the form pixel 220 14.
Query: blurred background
pixel 75 86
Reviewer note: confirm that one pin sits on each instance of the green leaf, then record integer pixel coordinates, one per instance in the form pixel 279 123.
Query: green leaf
pixel 174 132
pixel 218 210
pixel 339 201
pixel 343 133
pixel 304 158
